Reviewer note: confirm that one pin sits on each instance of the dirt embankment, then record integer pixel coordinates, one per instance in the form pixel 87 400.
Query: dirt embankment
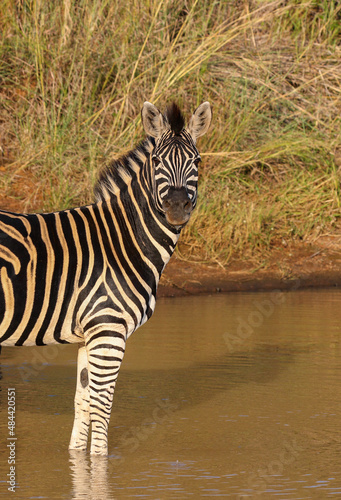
pixel 316 264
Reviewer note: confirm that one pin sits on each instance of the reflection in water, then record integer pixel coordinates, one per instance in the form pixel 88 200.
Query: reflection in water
pixel 234 396
pixel 89 476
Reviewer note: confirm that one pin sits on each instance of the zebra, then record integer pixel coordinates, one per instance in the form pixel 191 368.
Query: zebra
pixel 89 274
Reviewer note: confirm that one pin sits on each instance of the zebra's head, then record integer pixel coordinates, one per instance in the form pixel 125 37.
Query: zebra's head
pixel 175 158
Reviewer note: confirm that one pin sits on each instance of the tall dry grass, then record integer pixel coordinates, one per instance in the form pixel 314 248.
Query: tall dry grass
pixel 74 75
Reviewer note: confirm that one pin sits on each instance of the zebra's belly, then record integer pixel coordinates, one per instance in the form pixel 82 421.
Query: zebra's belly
pixel 71 326
pixel 24 335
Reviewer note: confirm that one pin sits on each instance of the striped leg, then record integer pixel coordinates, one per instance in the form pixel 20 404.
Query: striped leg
pixel 80 431
pixel 105 356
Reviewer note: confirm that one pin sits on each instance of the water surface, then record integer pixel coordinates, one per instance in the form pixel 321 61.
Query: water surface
pixel 232 396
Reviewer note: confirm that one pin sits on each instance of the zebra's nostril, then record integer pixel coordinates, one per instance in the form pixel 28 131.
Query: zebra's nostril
pixel 188 206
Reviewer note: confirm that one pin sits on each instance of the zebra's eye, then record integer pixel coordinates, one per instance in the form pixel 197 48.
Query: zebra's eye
pixel 197 161
pixel 156 161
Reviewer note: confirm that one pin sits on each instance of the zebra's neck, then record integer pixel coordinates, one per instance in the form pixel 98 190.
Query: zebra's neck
pixel 126 188
pixel 130 168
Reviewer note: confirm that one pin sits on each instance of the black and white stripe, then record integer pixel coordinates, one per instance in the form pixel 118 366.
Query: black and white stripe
pixel 89 275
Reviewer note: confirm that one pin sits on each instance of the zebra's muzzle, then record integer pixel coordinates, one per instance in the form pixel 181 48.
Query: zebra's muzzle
pixel 177 206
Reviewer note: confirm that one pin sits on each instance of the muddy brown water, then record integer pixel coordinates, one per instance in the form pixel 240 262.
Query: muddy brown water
pixel 232 396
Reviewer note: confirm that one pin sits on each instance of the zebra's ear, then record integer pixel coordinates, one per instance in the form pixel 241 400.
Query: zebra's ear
pixel 200 121
pixel 154 123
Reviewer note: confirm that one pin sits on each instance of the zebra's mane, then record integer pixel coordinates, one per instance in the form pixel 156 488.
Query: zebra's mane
pixel 175 118
pixel 121 172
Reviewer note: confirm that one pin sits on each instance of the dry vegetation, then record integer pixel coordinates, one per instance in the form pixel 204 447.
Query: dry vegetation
pixel 74 75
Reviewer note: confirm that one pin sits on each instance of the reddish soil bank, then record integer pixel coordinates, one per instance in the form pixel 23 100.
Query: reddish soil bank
pixel 301 265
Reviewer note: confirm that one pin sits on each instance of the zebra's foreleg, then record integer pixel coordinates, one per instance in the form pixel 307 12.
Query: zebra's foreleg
pixel 81 424
pixel 105 357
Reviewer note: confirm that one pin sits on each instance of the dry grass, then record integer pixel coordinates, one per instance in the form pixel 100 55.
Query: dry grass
pixel 73 77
